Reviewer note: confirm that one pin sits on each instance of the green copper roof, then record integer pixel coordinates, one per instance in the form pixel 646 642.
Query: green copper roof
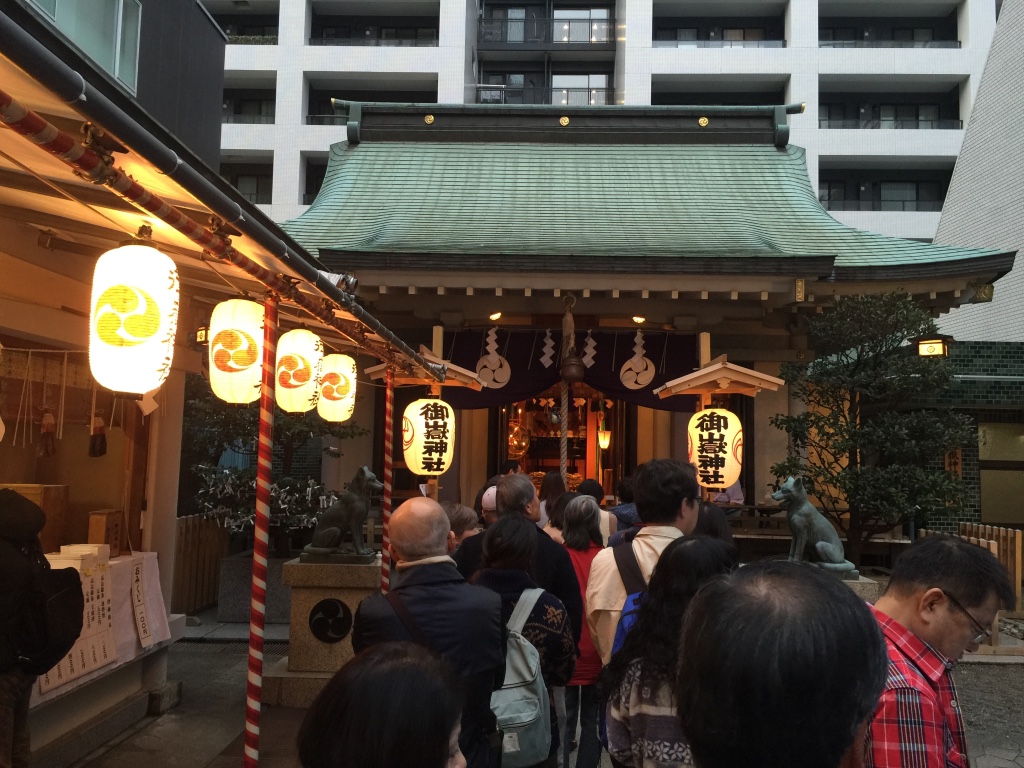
pixel 576 201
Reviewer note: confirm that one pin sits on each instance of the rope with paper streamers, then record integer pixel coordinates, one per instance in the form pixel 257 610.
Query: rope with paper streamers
pixel 261 536
pixel 385 505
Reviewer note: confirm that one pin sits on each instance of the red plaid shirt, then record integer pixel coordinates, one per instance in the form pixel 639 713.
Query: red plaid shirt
pixel 918 722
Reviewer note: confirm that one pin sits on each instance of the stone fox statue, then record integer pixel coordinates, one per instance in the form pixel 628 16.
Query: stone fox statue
pixel 814 538
pixel 346 515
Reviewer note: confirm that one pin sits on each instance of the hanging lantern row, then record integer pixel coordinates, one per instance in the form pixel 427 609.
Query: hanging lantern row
pixel 428 436
pixel 715 447
pixel 133 316
pixel 236 350
pixel 337 388
pixel 306 379
pixel 300 363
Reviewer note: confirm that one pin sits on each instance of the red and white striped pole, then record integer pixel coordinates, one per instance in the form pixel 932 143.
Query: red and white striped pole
pixel 261 538
pixel 385 506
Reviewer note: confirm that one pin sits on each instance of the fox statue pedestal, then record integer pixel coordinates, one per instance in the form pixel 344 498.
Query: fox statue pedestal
pixel 324 601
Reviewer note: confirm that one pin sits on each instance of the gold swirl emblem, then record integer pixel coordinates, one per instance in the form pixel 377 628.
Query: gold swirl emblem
pixel 126 316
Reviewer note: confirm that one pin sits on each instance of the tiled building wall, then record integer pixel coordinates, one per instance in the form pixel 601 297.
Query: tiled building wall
pixel 996 396
pixel 983 206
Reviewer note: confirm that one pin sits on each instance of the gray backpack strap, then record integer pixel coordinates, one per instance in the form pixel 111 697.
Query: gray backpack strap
pixel 525 605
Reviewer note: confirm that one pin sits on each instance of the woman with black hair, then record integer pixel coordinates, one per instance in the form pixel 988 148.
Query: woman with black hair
pixel 639 682
pixel 551 487
pixel 508 551
pixel 556 515
pixel 382 702
pixel 581 531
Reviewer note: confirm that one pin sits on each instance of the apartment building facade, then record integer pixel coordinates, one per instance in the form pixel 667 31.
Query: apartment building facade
pixel 888 84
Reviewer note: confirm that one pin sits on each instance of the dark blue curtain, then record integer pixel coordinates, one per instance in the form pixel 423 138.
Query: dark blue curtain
pixel 618 359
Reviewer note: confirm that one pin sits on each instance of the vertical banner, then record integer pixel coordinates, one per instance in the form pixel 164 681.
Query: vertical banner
pixel 261 537
pixel 139 603
pixel 385 506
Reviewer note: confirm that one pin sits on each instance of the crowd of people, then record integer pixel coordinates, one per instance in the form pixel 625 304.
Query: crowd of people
pixel 655 646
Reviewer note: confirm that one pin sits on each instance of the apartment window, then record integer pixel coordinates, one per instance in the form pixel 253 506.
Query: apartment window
pixel 831 191
pixel 107 31
pixel 579 90
pixel 255 188
pixel 908 115
pixel 736 34
pixel 587 25
pixel 911 196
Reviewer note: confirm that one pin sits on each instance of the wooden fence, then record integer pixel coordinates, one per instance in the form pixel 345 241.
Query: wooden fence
pixel 1005 544
pixel 1009 542
pixel 201 544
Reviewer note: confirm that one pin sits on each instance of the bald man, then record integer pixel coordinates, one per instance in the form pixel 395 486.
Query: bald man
pixel 460 621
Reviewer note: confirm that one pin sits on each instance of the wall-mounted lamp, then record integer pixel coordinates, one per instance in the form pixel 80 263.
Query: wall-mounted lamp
pixel 639 320
pixel 934 346
pixel 494 316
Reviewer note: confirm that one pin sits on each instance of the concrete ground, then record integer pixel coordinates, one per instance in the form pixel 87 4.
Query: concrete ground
pixel 206 729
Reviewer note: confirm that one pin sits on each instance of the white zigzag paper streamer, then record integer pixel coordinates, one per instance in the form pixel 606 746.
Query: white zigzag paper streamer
pixel 549 350
pixel 492 342
pixel 589 350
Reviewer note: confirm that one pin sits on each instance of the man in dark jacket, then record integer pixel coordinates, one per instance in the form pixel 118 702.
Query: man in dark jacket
pixel 20 521
pixel 459 621
pixel 552 567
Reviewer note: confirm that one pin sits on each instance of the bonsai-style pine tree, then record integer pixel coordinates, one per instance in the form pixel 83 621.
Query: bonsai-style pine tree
pixel 868 442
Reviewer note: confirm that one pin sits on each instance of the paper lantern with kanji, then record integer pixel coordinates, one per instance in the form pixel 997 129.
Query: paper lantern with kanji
pixel 133 316
pixel 715 442
pixel 236 350
pixel 300 359
pixel 428 437
pixel 337 388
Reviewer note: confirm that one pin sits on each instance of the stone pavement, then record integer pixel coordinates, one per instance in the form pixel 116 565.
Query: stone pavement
pixel 206 728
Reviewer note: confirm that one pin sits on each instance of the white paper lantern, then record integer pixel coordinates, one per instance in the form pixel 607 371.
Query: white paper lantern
pixel 236 350
pixel 715 442
pixel 428 437
pixel 337 388
pixel 300 359
pixel 132 319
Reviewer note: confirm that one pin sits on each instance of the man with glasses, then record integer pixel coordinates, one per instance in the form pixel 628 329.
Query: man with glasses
pixel 942 598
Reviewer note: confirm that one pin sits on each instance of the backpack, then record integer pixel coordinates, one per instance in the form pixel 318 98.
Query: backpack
pixel 51 615
pixel 521 704
pixel 636 590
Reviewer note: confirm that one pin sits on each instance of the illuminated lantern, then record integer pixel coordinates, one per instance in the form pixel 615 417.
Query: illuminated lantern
pixel 715 441
pixel 300 359
pixel 337 388
pixel 236 350
pixel 604 438
pixel 132 319
pixel 428 437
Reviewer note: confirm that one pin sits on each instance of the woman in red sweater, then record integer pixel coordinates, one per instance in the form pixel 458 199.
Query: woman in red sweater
pixel 581 532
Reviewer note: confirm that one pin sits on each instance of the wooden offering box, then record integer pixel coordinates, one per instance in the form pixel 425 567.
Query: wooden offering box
pixel 105 528
pixel 53 499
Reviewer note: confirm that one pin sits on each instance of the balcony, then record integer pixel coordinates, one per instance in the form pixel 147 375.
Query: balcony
pixel 423 38
pixel 326 120
pixel 248 119
pixel 252 39
pixel 719 43
pixel 573 97
pixel 922 125
pixel 888 43
pixel 558 34
pixel 258 198
pixel 933 206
